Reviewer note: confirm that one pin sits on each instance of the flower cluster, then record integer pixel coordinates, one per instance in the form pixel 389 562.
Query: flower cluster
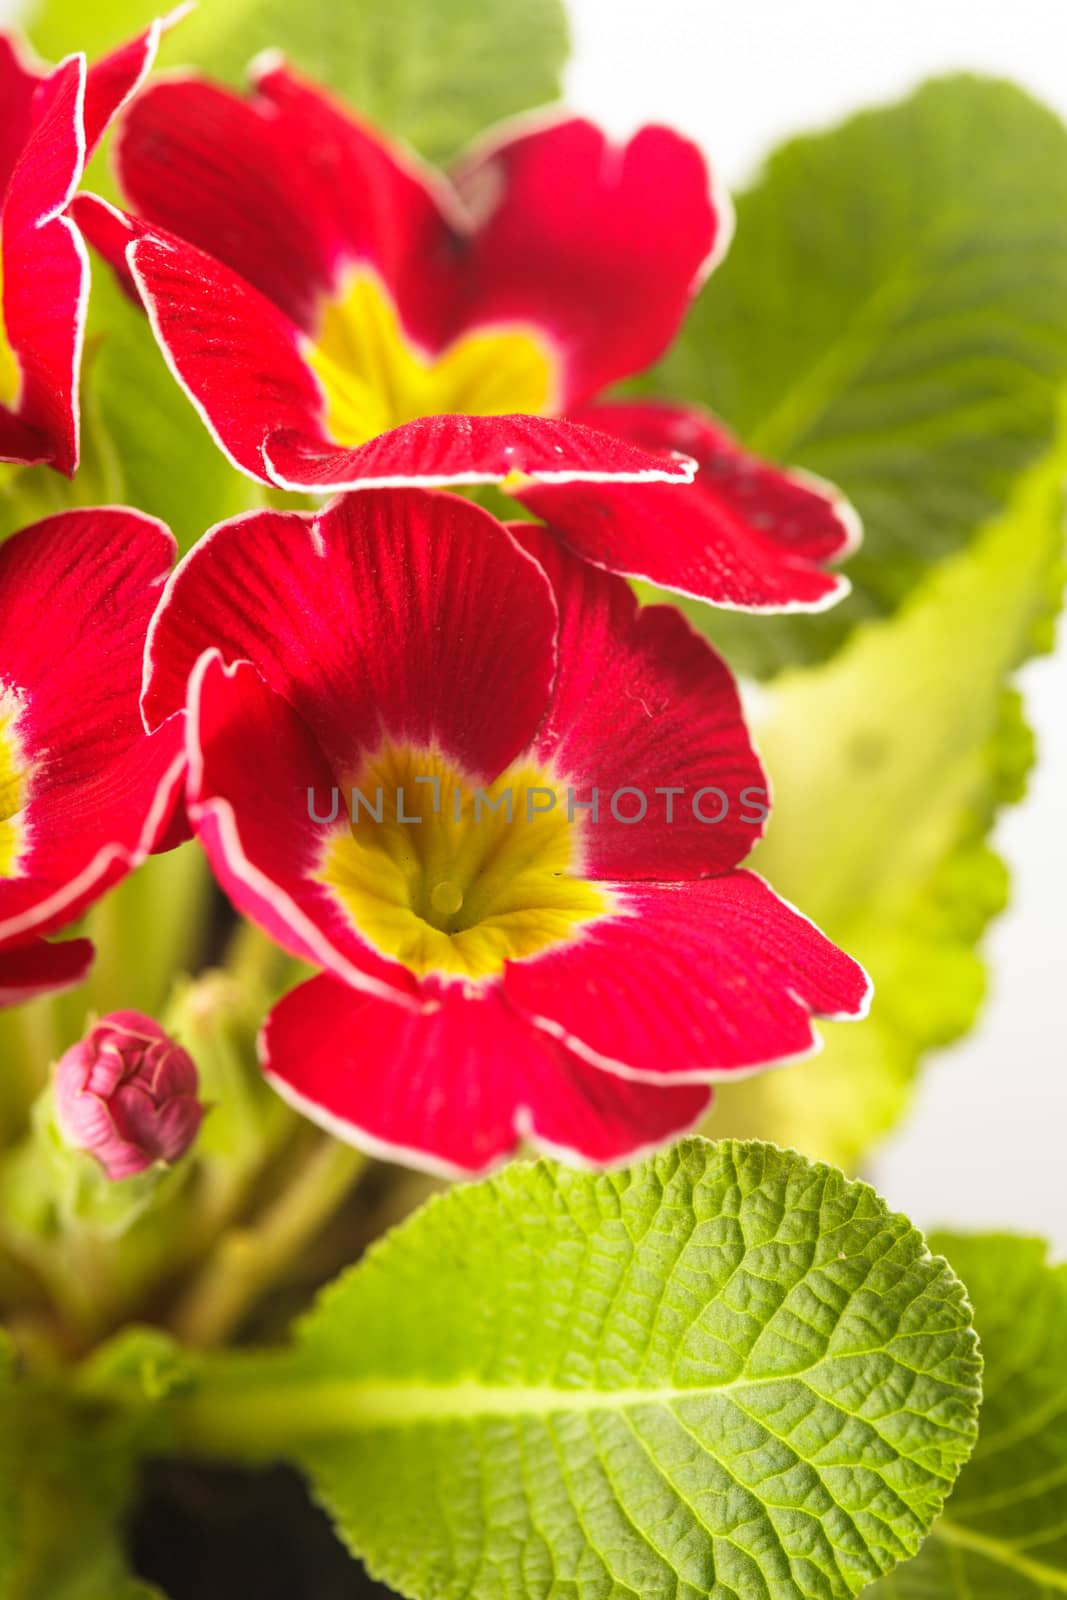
pixel 512 942
pixel 344 318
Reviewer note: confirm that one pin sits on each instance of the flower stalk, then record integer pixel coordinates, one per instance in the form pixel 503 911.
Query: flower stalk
pixel 253 1256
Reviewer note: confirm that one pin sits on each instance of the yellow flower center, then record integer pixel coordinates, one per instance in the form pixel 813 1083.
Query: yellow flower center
pixel 375 378
pixel 10 376
pixel 452 878
pixel 14 784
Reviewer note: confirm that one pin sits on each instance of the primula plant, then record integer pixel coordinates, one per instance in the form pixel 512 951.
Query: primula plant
pixel 491 665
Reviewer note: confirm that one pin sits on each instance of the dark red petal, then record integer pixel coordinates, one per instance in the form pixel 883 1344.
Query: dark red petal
pixel 746 534
pixel 401 611
pixel 27 970
pixel 642 703
pixel 453 1086
pixel 21 443
pixel 691 981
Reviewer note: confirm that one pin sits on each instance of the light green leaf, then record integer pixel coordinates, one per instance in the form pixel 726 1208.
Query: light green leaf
pixel 1004 1533
pixel 434 72
pixel 888 765
pixel 724 1372
pixel 893 316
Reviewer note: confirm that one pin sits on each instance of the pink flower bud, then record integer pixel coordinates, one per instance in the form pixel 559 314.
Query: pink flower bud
pixel 127 1094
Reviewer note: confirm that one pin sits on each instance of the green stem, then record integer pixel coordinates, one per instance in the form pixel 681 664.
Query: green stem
pixel 249 1259
pixel 251 958
pixel 29 1044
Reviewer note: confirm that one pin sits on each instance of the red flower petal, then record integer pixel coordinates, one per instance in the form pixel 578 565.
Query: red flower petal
pixel 27 970
pixel 19 77
pixel 407 612
pixel 114 80
pixel 45 270
pixel 453 1086
pixel 90 580
pixel 235 354
pixel 698 980
pixel 603 245
pixel 110 232
pixel 100 794
pixel 252 762
pixel 389 208
pixel 587 258
pixel 281 188
pixel 642 703
pixel 216 170
pixel 51 122
pixel 746 534
pixel 436 451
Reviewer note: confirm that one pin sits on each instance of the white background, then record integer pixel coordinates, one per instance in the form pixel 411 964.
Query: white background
pixel 984 1144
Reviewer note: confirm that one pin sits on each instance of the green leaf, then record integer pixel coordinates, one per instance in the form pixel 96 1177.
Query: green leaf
pixel 724 1372
pixel 1004 1534
pixel 888 765
pixel 435 72
pixel 66 1477
pixel 893 316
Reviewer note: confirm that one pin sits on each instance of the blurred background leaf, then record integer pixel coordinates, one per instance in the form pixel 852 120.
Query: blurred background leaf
pixel 434 72
pixel 887 766
pixel 893 316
